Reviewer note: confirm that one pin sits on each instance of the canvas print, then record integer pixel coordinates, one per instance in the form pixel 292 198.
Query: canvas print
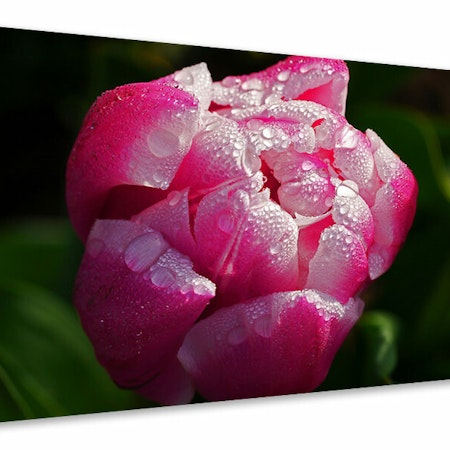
pixel 187 225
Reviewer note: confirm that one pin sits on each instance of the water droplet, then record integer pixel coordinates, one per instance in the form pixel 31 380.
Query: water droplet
pixel 307 165
pixel 162 143
pixel 174 197
pixel 347 188
pixel 272 98
pixel 184 77
pixel 268 133
pixel 253 84
pixel 283 76
pixel 276 248
pixel 329 202
pixel 237 335
pixel 162 277
pixel 344 209
pixel 158 177
pixel 212 123
pixel 225 222
pixel 240 200
pixel 348 239
pixel 346 137
pixel 263 326
pixel 254 124
pixel 203 288
pixel 230 81
pixel 143 251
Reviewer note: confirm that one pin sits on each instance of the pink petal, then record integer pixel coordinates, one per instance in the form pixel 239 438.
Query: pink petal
pixel 354 160
pixel 171 218
pixel 136 297
pixel 306 186
pixel 246 243
pixel 278 344
pixel 194 79
pixel 394 207
pixel 172 386
pixel 350 210
pixel 308 241
pixel 325 122
pixel 135 134
pixel 339 266
pixel 220 152
pixel 316 79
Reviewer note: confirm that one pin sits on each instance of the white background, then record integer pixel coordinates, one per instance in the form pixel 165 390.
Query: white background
pixel 408 416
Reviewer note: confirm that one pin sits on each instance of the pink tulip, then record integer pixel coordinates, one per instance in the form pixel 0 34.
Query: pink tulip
pixel 230 228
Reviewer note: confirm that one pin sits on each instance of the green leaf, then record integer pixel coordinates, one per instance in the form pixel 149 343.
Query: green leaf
pixel 47 365
pixel 434 319
pixel 44 252
pixel 378 336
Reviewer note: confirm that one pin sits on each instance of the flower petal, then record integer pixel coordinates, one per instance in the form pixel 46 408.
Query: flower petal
pixel 172 386
pixel 194 79
pixel 394 207
pixel 246 243
pixel 136 297
pixel 278 344
pixel 170 217
pixel 220 152
pixel 136 134
pixel 316 79
pixel 339 266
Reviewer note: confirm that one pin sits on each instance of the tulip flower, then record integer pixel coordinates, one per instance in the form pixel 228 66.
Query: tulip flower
pixel 230 228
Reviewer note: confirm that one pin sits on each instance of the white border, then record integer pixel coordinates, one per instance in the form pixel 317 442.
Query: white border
pixel 405 416
pixel 383 32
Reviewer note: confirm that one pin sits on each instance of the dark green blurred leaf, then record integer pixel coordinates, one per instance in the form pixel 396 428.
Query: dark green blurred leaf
pixel 378 332
pixel 45 252
pixel 434 324
pixel 47 366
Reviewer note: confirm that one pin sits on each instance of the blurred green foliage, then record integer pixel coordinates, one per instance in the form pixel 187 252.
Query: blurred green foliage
pixel 49 80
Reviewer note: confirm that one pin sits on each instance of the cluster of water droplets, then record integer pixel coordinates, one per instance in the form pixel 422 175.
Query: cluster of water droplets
pixel 340 240
pixel 327 306
pixel 253 320
pixel 151 256
pixel 197 81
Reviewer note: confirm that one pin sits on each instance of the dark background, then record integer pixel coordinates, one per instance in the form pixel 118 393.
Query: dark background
pixel 49 80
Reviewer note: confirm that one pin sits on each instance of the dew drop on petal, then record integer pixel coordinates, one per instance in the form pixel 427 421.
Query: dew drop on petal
pixel 268 132
pixel 174 197
pixel 344 209
pixel 348 239
pixel 162 277
pixel 203 288
pixel 307 165
pixel 184 77
pixel 225 222
pixel 162 143
pixel 347 188
pixel 237 335
pixel 263 326
pixel 143 251
pixel 253 84
pixel 158 177
pixel 276 248
pixel 283 76
pixel 240 200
